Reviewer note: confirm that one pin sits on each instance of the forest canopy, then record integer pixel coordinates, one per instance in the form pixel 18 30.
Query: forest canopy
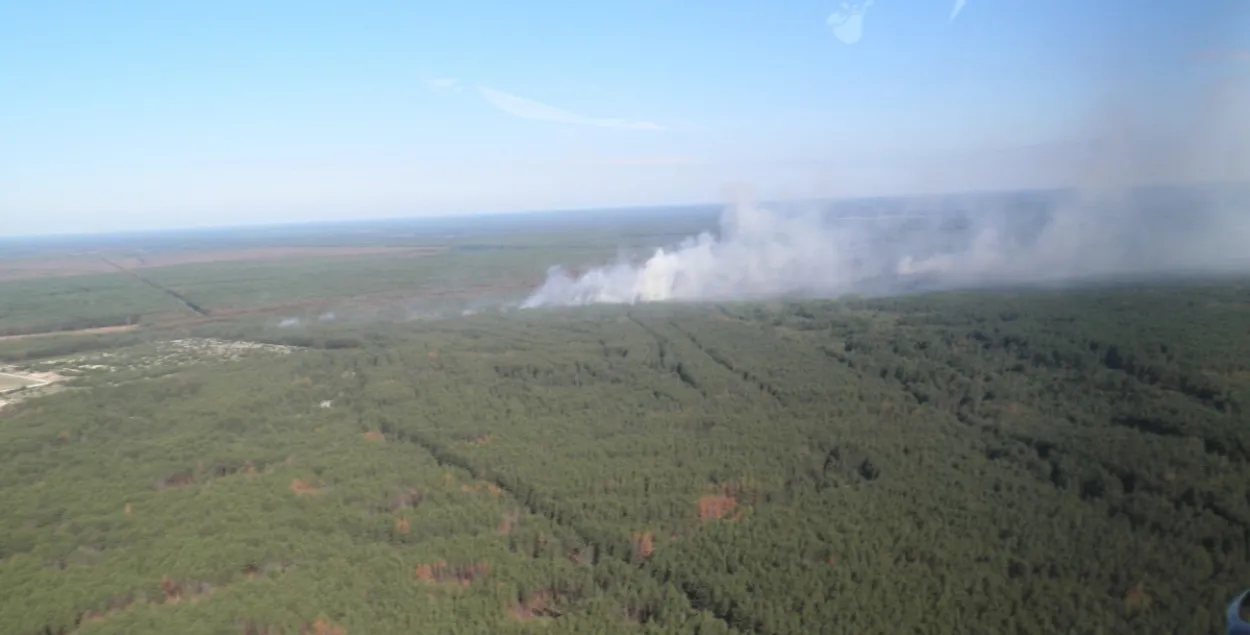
pixel 1031 462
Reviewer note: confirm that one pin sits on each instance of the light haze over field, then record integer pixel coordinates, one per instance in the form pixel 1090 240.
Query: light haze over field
pixel 138 115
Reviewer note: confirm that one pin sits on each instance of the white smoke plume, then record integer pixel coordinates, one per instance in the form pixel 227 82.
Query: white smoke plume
pixel 757 254
pixel 1142 205
pixel 1023 238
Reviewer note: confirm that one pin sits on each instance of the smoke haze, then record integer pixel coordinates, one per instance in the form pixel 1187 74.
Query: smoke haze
pixel 1118 219
pixel 763 253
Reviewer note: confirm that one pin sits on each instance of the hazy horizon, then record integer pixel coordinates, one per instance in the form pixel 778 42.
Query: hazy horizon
pixel 590 213
pixel 922 204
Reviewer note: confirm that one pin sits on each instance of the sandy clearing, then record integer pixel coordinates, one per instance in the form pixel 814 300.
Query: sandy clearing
pixel 11 382
pixel 101 330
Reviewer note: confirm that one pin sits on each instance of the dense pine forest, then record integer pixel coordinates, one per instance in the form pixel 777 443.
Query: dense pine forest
pixel 1025 462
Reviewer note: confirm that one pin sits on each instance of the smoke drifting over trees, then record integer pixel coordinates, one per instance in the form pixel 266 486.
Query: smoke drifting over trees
pixel 1147 196
pixel 762 253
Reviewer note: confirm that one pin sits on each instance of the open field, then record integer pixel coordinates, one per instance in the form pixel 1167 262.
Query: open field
pixel 373 444
pixel 79 302
pixel 54 266
pixel 73 284
pixel 102 330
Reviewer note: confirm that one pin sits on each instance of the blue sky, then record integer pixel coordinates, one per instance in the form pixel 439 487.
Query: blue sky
pixel 133 115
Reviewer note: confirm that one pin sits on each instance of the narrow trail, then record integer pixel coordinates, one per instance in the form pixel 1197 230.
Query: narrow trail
pixel 728 365
pixel 166 290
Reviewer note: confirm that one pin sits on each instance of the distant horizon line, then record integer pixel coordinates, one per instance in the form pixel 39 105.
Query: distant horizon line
pixel 688 206
pixel 261 226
